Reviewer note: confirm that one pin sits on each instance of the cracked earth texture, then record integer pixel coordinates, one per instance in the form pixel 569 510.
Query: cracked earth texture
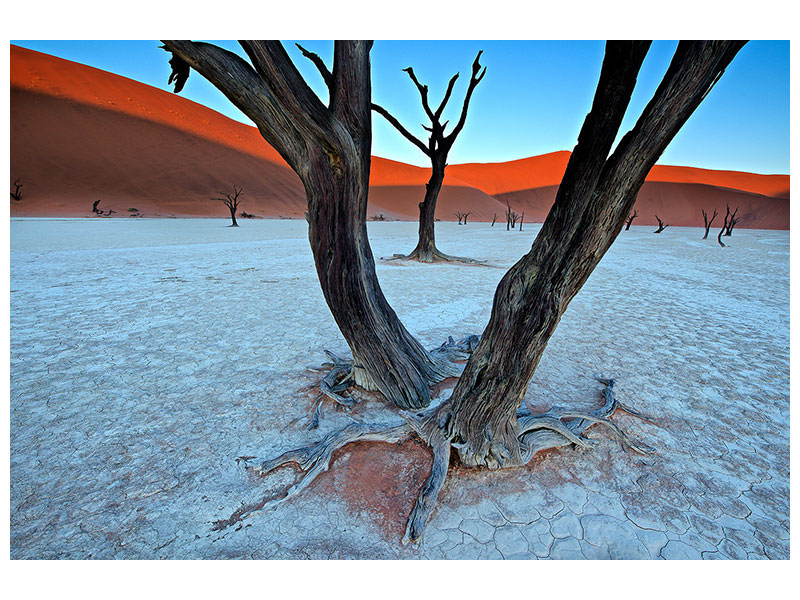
pixel 147 355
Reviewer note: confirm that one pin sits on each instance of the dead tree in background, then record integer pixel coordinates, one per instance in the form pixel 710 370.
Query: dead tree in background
pixel 731 222
pixel 462 216
pixel 494 218
pixel 512 217
pixel 17 194
pixel 708 221
pixel 436 150
pixel 94 207
pixel 232 202
pixel 661 226
pixel 630 219
pixel 483 419
pixel 521 219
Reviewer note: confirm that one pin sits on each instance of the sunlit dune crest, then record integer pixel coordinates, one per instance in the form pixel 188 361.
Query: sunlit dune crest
pixel 80 134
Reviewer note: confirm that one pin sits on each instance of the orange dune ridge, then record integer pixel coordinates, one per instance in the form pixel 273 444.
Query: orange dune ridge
pixel 547 169
pixel 33 71
pixel 79 134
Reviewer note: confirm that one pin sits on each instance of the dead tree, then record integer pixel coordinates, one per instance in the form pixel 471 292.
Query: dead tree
pixel 731 222
pixel 462 217
pixel 630 219
pixel 708 221
pixel 512 217
pixel 17 194
pixel 231 200
pixel 483 420
pixel 494 219
pixel 661 226
pixel 437 149
pixel 328 146
pixel 727 224
pixel 95 209
pixel 521 219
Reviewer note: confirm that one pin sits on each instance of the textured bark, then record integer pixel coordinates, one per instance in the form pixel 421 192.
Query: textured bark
pixel 595 198
pixel 329 148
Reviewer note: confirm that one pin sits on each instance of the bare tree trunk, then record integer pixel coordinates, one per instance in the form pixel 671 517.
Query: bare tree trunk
pixel 425 250
pixel 594 199
pixel 233 217
pixel 707 222
pixel 329 148
pixel 630 219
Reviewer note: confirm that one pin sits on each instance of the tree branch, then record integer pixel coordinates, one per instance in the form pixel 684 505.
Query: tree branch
pixel 450 85
pixel 474 80
pixel 397 125
pixel 314 58
pixel 423 92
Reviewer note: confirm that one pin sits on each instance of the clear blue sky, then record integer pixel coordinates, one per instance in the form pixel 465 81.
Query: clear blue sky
pixel 532 101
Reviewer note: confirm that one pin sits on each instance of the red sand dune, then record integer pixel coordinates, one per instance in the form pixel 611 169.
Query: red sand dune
pixel 79 134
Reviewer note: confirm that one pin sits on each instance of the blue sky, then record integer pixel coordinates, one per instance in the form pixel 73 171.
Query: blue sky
pixel 533 99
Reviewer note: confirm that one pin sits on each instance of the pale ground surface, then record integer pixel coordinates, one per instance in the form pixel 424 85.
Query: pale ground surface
pixel 147 355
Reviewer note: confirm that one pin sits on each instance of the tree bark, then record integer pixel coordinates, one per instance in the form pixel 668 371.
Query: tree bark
pixel 329 148
pixel 593 201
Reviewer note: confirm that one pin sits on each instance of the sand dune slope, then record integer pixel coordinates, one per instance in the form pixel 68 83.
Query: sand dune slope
pixel 79 135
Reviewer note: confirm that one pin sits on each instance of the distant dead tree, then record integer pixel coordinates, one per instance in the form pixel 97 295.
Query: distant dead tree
pixel 17 194
pixel 521 219
pixel 708 221
pixel 511 217
pixel 728 224
pixel 731 222
pixel 232 202
pixel 721 232
pixel 630 219
pixel 436 149
pixel 95 209
pixel 494 218
pixel 661 226
pixel 462 216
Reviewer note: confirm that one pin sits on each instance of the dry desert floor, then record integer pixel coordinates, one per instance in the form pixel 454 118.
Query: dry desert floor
pixel 148 355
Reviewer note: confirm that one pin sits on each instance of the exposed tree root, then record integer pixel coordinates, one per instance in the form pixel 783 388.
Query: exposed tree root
pixel 536 432
pixel 434 256
pixel 341 373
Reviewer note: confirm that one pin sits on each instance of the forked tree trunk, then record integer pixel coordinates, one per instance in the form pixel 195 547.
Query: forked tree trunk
pixel 329 148
pixel 593 201
pixel 233 217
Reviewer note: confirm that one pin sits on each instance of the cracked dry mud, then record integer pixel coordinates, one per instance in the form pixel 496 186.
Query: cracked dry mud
pixel 147 356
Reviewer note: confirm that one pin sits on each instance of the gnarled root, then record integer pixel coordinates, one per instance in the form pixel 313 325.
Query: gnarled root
pixel 535 432
pixel 549 430
pixel 314 460
pixel 342 374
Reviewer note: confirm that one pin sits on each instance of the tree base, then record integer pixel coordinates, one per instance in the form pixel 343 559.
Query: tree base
pixel 433 256
pixel 536 432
